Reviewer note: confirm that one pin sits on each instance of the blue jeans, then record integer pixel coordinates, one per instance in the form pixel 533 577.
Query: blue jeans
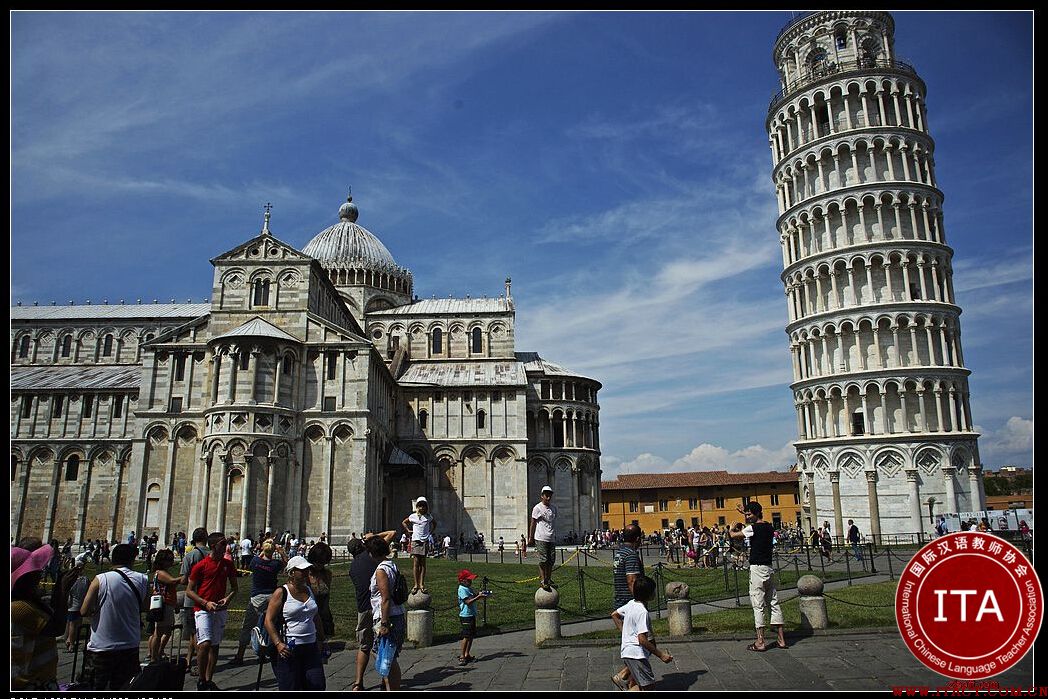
pixel 303 670
pixel 857 550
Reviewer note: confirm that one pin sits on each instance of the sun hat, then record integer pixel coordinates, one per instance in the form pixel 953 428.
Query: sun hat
pixel 466 576
pixel 24 561
pixel 545 488
pixel 421 501
pixel 298 563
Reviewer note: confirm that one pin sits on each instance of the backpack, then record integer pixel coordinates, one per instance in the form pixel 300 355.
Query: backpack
pixel 398 592
pixel 260 641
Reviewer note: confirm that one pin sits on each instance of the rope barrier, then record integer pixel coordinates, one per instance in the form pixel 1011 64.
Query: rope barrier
pixel 858 604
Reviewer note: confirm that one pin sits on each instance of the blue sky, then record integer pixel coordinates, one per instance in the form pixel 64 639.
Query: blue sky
pixel 614 164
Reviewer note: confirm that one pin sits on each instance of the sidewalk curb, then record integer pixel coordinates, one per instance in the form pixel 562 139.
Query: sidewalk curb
pixel 721 637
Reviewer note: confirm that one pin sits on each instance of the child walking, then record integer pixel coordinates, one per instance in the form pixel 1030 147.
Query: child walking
pixel 637 642
pixel 467 599
pixel 420 524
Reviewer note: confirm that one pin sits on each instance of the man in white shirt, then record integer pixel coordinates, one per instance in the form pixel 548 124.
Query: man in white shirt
pixel 541 536
pixel 447 544
pixel 115 601
pixel 245 552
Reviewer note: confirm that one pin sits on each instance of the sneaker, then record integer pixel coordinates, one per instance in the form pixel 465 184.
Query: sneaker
pixel 619 682
pixel 552 584
pixel 201 686
pixel 212 686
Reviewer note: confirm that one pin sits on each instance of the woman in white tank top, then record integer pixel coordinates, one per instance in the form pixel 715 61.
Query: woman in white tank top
pixel 295 631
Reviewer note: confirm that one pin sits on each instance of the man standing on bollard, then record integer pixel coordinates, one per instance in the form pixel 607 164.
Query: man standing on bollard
pixel 627 569
pixel 762 574
pixel 853 539
pixel 541 537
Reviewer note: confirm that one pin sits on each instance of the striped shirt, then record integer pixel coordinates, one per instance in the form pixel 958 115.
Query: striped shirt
pixel 627 562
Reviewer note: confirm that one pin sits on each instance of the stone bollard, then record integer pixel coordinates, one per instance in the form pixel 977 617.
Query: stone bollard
pixel 678 609
pixel 547 615
pixel 812 603
pixel 420 619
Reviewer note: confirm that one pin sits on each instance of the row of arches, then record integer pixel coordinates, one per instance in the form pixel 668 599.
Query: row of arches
pixel 882 407
pixel 850 37
pixel 861 219
pixel 264 287
pixel 43 415
pixel 399 282
pixel 863 280
pixel 891 341
pixel 72 346
pixel 851 165
pixel 556 428
pixel 443 339
pixel 567 390
pixel 931 460
pixel 75 491
pixel 844 106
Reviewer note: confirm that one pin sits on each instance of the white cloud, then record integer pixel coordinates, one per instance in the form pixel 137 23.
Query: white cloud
pixel 706 457
pixel 1011 444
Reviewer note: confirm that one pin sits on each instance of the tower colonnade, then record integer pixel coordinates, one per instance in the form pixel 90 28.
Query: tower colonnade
pixel 880 387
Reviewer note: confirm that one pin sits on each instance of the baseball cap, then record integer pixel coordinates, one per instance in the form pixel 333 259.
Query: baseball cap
pixel 81 559
pixel 466 576
pixel 298 563
pixel 546 488
pixel 421 501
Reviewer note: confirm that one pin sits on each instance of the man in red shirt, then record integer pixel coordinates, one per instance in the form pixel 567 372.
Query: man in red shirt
pixel 207 589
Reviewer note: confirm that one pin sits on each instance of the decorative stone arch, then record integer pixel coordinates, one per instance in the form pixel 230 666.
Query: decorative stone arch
pixel 445 452
pixel 504 451
pixel 820 463
pixel 261 448
pixel 314 431
pixel 961 458
pixel 157 433
pixel 929 459
pixel 233 278
pixel 889 462
pixel 850 462
pixel 342 432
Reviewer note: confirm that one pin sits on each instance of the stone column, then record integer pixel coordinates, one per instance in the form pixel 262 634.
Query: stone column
pixel 52 499
pixel 912 477
pixel 271 469
pixel 245 500
pixel 838 518
pixel 948 474
pixel 223 493
pixel 813 510
pixel 206 465
pixel 875 512
pixel 169 488
pixel 975 484
pixel 255 355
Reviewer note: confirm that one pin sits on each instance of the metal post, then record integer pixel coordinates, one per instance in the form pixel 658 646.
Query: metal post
pixel 797 568
pixel 822 563
pixel 807 552
pixel 737 602
pixel 658 590
pixel 484 607
pixel 873 564
pixel 520 557
pixel 891 575
pixel 724 564
pixel 847 566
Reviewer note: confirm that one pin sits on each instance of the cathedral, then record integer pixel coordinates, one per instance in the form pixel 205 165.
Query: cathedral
pixel 315 393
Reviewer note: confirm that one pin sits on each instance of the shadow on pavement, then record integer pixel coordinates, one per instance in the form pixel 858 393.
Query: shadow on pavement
pixel 679 680
pixel 501 654
pixel 437 674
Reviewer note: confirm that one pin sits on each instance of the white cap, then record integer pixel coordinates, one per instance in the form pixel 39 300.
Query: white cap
pixel 297 562
pixel 421 501
pixel 82 559
pixel 545 488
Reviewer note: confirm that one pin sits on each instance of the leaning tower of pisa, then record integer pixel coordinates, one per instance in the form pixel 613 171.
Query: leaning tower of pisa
pixel 881 391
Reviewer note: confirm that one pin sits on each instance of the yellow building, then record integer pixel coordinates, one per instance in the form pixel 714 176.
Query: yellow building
pixel 655 501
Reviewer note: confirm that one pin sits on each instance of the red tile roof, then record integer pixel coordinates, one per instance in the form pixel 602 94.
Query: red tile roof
pixel 692 479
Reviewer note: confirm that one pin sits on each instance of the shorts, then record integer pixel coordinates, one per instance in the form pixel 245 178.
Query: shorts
pixel 547 551
pixel 640 670
pixel 365 631
pixel 398 631
pixel 469 626
pixel 188 621
pixel 210 626
pixel 419 548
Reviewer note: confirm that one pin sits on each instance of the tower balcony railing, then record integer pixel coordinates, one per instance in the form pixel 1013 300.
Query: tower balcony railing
pixel 838 69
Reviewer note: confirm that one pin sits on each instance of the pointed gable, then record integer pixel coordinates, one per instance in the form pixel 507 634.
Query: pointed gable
pixel 262 248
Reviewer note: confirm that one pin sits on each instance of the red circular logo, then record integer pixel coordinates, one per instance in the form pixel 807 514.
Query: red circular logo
pixel 968 605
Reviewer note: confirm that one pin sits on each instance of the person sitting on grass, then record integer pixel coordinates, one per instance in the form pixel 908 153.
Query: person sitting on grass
pixel 467 600
pixel 419 524
pixel 637 641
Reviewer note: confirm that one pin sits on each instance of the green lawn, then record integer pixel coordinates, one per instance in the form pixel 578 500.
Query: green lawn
pixel 879 610
pixel 512 606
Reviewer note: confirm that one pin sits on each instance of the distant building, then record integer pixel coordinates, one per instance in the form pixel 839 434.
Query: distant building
pixel 314 392
pixel 655 501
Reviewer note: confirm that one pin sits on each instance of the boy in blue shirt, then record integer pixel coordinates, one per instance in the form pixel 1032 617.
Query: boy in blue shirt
pixel 467 599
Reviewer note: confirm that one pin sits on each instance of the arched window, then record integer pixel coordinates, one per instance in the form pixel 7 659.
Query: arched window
pixel 23 347
pixel 72 467
pixel 481 416
pixel 477 343
pixel 438 341
pixel 245 357
pixel 817 62
pixel 288 364
pixel 107 346
pixel 67 345
pixel 858 424
pixel 423 420
pixel 841 38
pixel 261 292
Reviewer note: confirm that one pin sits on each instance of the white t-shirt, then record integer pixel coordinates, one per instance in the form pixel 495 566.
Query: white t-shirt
pixel 245 547
pixel 420 526
pixel 634 622
pixel 447 541
pixel 544 517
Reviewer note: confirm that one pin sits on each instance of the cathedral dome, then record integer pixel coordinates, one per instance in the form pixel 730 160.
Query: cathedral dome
pixel 348 245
